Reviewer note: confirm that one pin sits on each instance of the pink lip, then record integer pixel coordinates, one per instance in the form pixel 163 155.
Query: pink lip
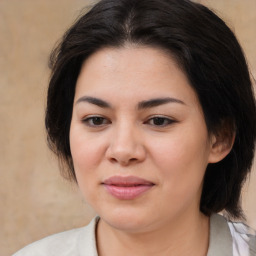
pixel 127 188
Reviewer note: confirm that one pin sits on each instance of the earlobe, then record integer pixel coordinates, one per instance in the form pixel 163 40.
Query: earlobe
pixel 220 147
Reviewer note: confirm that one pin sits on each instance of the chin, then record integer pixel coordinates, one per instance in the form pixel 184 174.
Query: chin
pixel 128 220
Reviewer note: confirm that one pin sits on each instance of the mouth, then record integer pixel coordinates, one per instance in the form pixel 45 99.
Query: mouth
pixel 127 188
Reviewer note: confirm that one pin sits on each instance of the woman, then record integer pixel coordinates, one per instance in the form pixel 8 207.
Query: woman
pixel 151 111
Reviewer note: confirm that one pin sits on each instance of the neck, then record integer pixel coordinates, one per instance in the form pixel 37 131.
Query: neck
pixel 187 235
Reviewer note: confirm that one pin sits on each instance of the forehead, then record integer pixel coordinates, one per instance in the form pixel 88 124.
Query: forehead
pixel 130 59
pixel 132 72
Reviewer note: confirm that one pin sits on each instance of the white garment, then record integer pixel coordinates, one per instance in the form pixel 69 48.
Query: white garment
pixel 244 239
pixel 226 239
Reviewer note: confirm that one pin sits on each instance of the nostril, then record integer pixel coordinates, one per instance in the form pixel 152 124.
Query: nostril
pixel 113 160
pixel 123 161
pixel 125 154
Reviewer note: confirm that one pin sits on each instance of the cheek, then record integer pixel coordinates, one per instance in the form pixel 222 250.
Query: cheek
pixel 182 158
pixel 86 151
pixel 180 151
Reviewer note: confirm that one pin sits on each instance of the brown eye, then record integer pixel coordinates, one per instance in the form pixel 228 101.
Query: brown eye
pixel 96 121
pixel 160 121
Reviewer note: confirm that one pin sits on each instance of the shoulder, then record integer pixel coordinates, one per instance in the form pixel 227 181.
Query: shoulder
pixel 68 243
pixel 53 245
pixel 230 238
pixel 244 238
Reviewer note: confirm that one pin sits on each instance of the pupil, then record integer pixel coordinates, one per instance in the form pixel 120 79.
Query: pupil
pixel 158 121
pixel 97 120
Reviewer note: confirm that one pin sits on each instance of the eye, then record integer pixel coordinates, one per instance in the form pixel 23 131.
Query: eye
pixel 96 121
pixel 160 121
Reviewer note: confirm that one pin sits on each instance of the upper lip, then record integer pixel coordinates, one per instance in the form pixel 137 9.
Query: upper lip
pixel 127 181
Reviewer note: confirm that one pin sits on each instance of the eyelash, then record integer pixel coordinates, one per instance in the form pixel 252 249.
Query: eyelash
pixel 164 121
pixel 89 121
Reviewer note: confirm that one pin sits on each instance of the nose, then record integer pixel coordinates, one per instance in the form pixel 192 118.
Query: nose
pixel 126 146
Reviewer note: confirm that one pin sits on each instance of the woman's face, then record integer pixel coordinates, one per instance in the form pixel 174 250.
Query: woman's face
pixel 138 138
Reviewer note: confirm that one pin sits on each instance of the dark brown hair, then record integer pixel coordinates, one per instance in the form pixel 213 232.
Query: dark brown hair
pixel 205 49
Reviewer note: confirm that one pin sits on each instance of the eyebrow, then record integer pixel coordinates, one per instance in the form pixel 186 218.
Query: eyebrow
pixel 94 101
pixel 141 105
pixel 157 102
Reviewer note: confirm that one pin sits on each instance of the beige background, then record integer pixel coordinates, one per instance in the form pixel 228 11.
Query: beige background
pixel 34 200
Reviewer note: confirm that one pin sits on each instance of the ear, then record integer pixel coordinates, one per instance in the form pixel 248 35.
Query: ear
pixel 221 144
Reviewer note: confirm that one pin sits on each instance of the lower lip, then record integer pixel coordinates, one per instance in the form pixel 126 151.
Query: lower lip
pixel 127 193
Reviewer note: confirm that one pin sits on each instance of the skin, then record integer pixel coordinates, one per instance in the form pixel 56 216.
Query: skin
pixel 172 152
